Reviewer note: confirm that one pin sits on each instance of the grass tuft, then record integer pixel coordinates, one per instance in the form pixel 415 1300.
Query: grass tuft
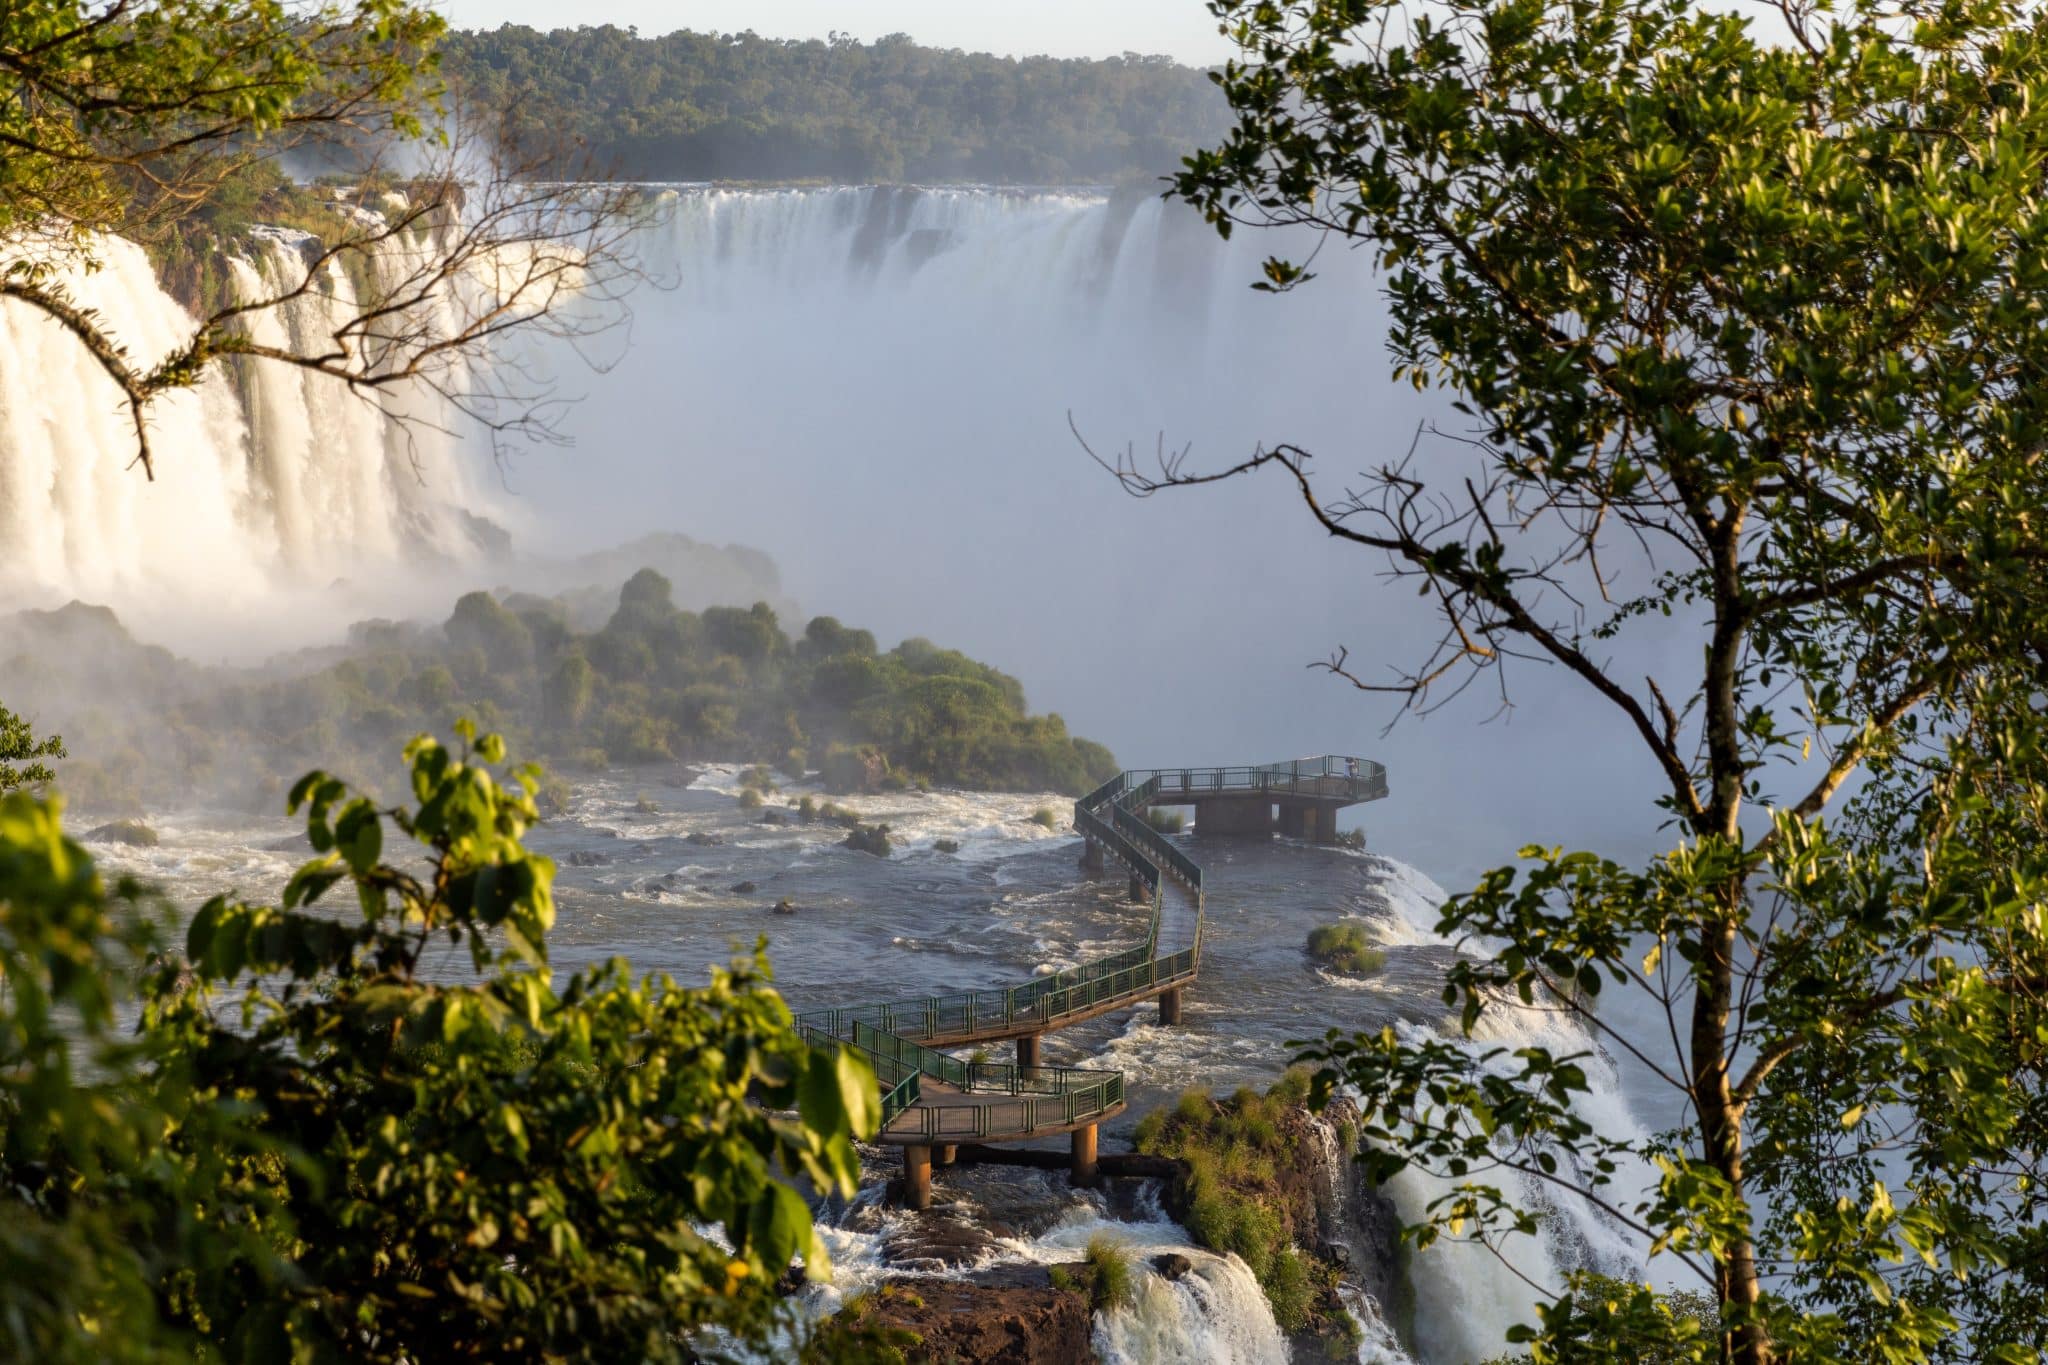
pixel 1114 1284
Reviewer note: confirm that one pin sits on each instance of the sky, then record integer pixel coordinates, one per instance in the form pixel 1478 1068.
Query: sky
pixel 1183 29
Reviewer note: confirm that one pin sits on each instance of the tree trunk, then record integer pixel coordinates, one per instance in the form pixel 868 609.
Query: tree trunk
pixel 1721 1136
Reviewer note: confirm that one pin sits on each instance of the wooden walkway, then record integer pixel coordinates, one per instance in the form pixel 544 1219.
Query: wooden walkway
pixel 933 1101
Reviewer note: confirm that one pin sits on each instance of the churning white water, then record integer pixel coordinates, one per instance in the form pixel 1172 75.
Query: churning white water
pixel 269 478
pixel 1465 1296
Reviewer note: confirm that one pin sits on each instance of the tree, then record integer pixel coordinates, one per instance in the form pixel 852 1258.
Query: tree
pixel 18 744
pixel 699 106
pixel 318 1148
pixel 168 122
pixel 1749 333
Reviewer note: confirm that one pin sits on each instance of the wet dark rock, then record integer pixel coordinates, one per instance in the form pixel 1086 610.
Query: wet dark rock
pixel 645 807
pixel 989 1323
pixel 938 1240
pixel 585 858
pixel 702 840
pixel 1171 1265
pixel 744 888
pixel 772 817
pixel 872 839
pixel 785 906
pixel 131 832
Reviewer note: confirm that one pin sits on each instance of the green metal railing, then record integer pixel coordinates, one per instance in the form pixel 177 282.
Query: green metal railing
pixel 989 1099
pixel 1332 776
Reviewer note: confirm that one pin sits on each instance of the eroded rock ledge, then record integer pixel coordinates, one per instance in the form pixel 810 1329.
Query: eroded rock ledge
pixel 1011 1315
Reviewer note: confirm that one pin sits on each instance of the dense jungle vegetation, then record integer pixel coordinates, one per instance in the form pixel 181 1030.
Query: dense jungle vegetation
pixel 704 106
pixel 654 683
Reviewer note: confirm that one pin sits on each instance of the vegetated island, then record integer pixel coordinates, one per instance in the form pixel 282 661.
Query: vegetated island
pixel 652 683
pixel 707 106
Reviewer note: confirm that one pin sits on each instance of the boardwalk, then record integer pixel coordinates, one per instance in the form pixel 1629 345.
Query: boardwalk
pixel 933 1101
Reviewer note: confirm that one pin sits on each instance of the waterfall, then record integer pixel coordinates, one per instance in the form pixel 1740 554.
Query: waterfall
pixel 1464 1297
pixel 269 478
pixel 1216 1312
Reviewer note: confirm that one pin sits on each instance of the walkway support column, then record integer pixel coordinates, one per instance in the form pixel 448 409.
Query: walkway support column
pixel 1091 857
pixel 917 1177
pixel 1138 892
pixel 1084 1156
pixel 945 1153
pixel 1027 1050
pixel 1169 1006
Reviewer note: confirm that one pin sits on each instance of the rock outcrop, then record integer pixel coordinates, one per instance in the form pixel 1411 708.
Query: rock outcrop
pixel 1008 1316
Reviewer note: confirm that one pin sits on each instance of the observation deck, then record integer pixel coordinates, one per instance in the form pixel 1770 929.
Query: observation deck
pixel 932 1101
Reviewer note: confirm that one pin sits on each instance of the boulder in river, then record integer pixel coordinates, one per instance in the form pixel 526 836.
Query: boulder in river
pixel 785 906
pixel 131 832
pixel 1171 1265
pixel 744 888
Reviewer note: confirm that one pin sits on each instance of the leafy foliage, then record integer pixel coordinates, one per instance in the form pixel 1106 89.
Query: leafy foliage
pixel 18 744
pixel 121 117
pixel 653 684
pixel 1746 328
pixel 1342 947
pixel 702 106
pixel 321 1148
pixel 1244 1194
pixel 171 123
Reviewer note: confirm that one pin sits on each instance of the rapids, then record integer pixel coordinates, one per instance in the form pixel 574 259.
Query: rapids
pixel 651 863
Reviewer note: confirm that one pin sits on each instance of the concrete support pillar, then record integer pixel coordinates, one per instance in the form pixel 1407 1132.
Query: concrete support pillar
pixel 1027 1050
pixel 917 1177
pixel 1138 891
pixel 1294 821
pixel 945 1153
pixel 1084 1156
pixel 1169 1006
pixel 1091 857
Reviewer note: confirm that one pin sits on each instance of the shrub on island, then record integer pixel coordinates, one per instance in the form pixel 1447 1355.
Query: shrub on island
pixel 1342 948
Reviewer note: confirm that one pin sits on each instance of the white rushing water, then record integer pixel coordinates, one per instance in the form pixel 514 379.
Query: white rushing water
pixel 1465 1296
pixel 270 480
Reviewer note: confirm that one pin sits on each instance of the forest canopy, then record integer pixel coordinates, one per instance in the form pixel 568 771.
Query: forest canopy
pixel 704 106
pixel 650 683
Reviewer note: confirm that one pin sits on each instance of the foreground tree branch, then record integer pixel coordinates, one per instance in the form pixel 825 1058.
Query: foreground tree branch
pixel 162 122
pixel 1745 332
